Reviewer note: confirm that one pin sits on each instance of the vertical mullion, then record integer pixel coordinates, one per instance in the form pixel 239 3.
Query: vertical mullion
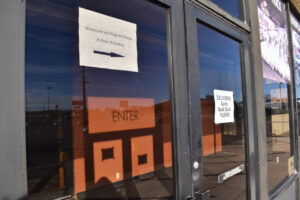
pixel 258 141
pixel 242 10
pixel 294 97
pixel 178 77
pixel 194 97
pixel 248 112
pixel 252 158
pixel 291 90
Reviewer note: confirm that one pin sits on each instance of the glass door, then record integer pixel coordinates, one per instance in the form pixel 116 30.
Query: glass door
pixel 223 136
pixel 218 107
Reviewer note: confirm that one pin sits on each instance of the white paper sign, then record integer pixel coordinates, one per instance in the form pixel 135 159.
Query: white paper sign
pixel 224 106
pixel 106 42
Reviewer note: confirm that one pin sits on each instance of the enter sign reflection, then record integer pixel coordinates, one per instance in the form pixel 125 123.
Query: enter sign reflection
pixel 108 114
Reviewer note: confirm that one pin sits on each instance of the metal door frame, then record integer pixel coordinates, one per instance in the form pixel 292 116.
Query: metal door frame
pixel 182 177
pixel 239 32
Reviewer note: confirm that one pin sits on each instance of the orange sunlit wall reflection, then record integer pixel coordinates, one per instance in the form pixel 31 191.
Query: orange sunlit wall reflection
pixel 78 146
pixel 116 114
pixel 119 139
pixel 211 133
pixel 166 131
pixel 108 160
pixel 142 155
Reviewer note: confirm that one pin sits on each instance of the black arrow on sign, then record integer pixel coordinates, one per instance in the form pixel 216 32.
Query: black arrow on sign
pixel 111 54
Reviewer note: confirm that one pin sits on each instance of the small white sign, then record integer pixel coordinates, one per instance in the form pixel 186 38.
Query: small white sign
pixel 224 106
pixel 107 42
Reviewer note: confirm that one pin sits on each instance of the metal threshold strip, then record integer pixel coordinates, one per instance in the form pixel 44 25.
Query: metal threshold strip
pixel 62 198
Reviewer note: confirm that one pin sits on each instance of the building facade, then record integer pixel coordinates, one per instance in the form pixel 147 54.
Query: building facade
pixel 149 99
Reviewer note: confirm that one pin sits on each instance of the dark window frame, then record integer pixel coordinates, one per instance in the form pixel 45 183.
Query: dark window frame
pixel 243 22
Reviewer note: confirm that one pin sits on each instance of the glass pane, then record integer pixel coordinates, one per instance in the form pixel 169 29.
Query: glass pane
pixel 296 52
pixel 276 74
pixel 233 7
pixel 223 143
pixel 97 100
pixel 278 130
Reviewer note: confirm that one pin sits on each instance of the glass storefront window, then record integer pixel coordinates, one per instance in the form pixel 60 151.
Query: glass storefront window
pixel 223 143
pixel 278 130
pixel 233 7
pixel 295 29
pixel 277 80
pixel 97 100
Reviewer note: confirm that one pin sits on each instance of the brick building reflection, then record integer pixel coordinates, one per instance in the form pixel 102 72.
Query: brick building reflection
pixel 211 133
pixel 122 138
pixel 215 136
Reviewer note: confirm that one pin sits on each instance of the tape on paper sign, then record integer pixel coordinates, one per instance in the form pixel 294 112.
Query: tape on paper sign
pixel 291 165
pixel 106 42
pixel 224 106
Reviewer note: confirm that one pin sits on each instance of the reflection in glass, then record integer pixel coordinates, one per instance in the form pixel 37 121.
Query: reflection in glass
pixel 276 74
pixel 233 7
pixel 223 144
pixel 273 41
pixel 296 49
pixel 96 133
pixel 278 130
pixel 295 29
